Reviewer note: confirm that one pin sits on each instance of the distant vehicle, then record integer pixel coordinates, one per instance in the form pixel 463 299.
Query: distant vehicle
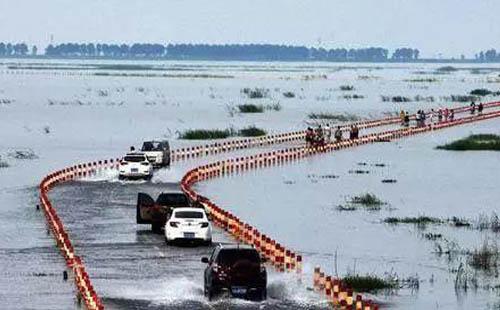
pixel 135 165
pixel 188 224
pixel 157 152
pixel 158 212
pixel 237 270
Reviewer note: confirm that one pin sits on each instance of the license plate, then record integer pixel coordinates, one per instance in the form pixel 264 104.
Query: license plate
pixel 238 290
pixel 189 235
pixel 135 170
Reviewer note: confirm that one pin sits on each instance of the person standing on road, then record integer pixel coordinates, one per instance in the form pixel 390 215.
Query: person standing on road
pixel 328 133
pixel 355 132
pixel 446 113
pixel 407 119
pixel 452 115
pixel 480 108
pixel 432 116
pixel 338 134
pixel 473 108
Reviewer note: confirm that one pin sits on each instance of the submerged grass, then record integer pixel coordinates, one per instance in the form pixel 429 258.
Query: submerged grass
pixel 251 108
pixel 479 142
pixel 367 200
pixel 333 117
pixel 205 134
pixel 252 131
pixel 367 283
pixel 485 258
pixel 420 220
pixel 211 134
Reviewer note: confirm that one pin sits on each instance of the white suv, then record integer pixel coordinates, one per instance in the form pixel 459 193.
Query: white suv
pixel 135 166
pixel 188 224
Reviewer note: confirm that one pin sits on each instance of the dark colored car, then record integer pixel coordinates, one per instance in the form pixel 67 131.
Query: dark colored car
pixel 237 270
pixel 158 212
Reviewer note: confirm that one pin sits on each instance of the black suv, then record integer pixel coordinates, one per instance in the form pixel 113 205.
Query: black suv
pixel 237 270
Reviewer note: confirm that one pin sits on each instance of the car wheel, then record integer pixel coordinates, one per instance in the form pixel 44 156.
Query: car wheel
pixel 156 228
pixel 168 242
pixel 263 294
pixel 210 294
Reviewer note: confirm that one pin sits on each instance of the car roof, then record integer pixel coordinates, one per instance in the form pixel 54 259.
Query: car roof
pixel 174 192
pixel 135 154
pixel 189 209
pixel 155 141
pixel 236 246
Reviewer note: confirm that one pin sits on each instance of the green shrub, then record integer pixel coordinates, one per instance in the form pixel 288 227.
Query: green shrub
pixel 367 283
pixel 420 220
pixel 250 108
pixel 334 117
pixel 252 131
pixel 346 87
pixel 367 200
pixel 481 92
pixel 479 142
pixel 256 93
pixel 206 134
pixel 485 258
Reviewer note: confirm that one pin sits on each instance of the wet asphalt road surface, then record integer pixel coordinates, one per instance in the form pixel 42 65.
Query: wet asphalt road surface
pixel 132 268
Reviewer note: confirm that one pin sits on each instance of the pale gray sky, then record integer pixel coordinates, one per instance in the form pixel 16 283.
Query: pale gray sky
pixel 433 26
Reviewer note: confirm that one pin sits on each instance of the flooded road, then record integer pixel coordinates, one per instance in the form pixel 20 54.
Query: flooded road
pixel 134 268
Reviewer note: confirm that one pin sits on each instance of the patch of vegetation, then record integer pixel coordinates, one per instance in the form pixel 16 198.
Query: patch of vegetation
pixel 479 142
pixel 23 154
pixel 492 222
pixel 211 134
pixel 432 236
pixel 369 200
pixel 346 208
pixel 446 69
pixel 420 220
pixel 484 92
pixel 389 181
pixel 460 98
pixel 422 80
pixel 255 93
pixel 274 107
pixel 334 117
pixel 359 171
pixel 251 108
pixel 3 164
pixel 252 131
pixel 459 222
pixel 206 134
pixel 485 258
pixel 346 87
pixel 289 94
pixel 397 99
pixel 354 96
pixel 367 283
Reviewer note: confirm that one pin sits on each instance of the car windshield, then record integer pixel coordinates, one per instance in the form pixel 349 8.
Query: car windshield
pixel 188 215
pixel 229 257
pixel 134 158
pixel 172 199
pixel 151 146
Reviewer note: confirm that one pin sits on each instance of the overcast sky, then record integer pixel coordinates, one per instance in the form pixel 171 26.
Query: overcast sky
pixel 450 27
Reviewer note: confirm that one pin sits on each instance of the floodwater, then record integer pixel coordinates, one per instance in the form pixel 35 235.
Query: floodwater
pixel 69 116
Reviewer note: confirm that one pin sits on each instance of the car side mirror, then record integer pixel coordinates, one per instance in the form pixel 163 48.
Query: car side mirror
pixel 204 260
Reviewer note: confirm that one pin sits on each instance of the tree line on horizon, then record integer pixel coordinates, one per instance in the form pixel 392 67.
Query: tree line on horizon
pixel 263 52
pixel 211 52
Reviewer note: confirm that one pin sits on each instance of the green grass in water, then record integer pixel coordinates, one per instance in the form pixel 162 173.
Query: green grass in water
pixel 480 142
